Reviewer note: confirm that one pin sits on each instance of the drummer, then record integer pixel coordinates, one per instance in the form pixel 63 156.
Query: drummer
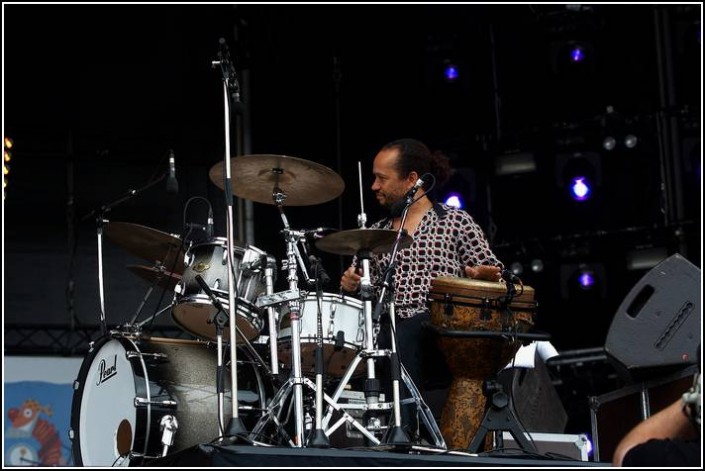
pixel 446 242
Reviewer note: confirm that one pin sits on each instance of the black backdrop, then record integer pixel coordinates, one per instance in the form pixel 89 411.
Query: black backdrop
pixel 96 95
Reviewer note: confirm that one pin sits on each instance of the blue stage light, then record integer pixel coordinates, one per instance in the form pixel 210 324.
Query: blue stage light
pixel 577 54
pixel 580 188
pixel 586 279
pixel 451 73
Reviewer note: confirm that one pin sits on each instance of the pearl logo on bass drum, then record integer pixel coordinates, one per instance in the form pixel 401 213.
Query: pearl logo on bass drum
pixel 106 372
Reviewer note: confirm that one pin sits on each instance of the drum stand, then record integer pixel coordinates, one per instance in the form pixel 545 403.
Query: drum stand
pixel 499 417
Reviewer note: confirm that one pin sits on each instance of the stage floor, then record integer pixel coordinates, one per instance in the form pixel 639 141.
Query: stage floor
pixel 207 455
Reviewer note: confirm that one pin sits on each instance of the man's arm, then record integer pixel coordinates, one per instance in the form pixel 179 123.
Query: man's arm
pixel 672 423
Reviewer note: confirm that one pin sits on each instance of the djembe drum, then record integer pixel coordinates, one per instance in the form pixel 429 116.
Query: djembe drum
pixel 484 311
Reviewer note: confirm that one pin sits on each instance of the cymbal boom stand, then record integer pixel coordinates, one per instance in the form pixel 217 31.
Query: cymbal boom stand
pixel 100 223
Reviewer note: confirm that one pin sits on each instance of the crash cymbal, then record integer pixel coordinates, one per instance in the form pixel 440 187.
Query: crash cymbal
pixel 352 241
pixel 160 278
pixel 254 177
pixel 147 243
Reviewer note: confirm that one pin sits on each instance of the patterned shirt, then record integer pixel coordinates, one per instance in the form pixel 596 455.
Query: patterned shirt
pixel 446 240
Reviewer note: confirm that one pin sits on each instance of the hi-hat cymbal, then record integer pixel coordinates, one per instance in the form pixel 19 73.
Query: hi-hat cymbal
pixel 352 241
pixel 147 243
pixel 160 278
pixel 254 177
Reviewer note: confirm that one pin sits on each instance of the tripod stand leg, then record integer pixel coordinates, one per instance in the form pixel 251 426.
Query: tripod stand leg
pixel 499 417
pixel 426 415
pixel 273 416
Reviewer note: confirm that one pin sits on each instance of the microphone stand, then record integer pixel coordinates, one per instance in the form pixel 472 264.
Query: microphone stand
pixel 235 426
pixel 317 437
pixel 396 435
pixel 99 214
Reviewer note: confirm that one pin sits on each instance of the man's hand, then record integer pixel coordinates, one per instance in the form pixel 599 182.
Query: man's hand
pixel 350 281
pixel 484 272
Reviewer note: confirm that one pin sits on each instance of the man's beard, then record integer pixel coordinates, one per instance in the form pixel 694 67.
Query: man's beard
pixel 396 208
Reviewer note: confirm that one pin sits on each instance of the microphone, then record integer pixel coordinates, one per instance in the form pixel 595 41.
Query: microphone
pixel 172 186
pixel 510 277
pixel 209 225
pixel 193 225
pixel 209 292
pixel 410 194
pixel 398 207
pixel 228 68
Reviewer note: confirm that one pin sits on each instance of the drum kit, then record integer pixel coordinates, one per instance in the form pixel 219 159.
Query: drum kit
pixel 140 397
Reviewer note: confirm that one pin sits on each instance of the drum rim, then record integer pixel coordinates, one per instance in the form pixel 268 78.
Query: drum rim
pixel 79 388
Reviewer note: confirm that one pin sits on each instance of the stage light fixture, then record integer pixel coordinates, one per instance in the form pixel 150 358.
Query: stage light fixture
pixel 646 258
pixel 451 72
pixel 577 54
pixel 580 188
pixel 579 174
pixel 586 279
pixel 537 265
pixel 517 268
pixel 7 156
pixel 609 143
pixel 583 281
pixel 515 163
pixel 630 141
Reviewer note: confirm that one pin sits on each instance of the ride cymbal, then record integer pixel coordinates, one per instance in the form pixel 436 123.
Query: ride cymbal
pixel 256 177
pixel 350 242
pixel 147 243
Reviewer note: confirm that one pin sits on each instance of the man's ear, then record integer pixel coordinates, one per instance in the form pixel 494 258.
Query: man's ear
pixel 413 177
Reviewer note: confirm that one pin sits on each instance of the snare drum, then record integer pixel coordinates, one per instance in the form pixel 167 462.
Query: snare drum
pixel 129 384
pixel 343 333
pixel 468 305
pixel 193 309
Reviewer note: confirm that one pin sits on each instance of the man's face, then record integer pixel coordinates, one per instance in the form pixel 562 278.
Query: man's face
pixel 388 186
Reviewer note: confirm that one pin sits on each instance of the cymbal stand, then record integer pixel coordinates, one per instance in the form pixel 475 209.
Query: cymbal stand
pixel 295 315
pixel 153 316
pixel 100 214
pixel 160 269
pixel 230 87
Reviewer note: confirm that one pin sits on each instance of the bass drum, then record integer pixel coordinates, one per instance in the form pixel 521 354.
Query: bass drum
pixel 130 386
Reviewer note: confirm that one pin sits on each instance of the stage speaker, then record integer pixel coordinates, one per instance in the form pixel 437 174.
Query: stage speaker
pixel 657 327
pixel 536 402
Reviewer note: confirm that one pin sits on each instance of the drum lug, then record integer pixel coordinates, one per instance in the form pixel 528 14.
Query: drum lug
pixel 140 402
pixel 485 310
pixel 448 307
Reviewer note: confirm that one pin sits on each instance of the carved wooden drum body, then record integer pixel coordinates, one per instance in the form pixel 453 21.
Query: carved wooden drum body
pixel 486 319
